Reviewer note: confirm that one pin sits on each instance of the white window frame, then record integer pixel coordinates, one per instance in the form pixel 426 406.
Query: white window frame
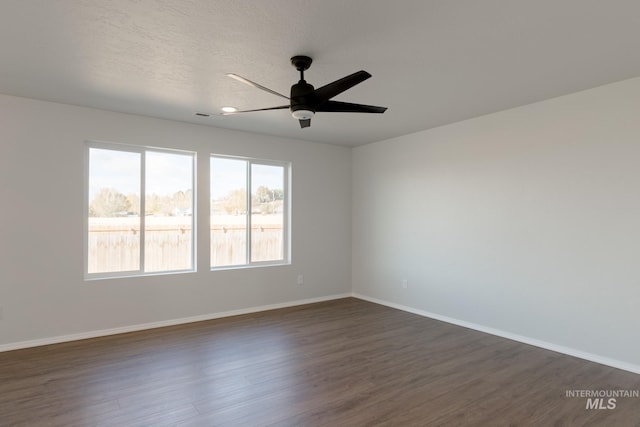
pixel 286 213
pixel 142 150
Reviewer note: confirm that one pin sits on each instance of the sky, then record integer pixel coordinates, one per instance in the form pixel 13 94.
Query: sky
pixel 168 173
pixel 230 174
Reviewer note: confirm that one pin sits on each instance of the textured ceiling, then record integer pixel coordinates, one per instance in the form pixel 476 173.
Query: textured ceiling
pixel 433 62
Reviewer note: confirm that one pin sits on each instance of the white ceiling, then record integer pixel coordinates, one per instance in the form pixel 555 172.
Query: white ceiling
pixel 433 62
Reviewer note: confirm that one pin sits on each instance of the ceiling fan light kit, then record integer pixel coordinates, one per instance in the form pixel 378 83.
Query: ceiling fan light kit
pixel 305 101
pixel 302 114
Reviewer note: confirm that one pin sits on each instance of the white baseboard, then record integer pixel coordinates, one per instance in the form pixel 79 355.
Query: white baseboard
pixel 514 337
pixel 497 332
pixel 162 323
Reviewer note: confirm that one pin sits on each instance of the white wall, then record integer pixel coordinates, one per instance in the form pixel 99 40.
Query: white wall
pixel 42 291
pixel 525 222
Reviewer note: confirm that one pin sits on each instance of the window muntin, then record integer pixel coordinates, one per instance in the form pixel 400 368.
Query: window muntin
pixel 249 212
pixel 124 181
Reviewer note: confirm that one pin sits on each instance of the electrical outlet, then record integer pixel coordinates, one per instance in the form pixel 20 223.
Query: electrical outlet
pixel 300 279
pixel 405 283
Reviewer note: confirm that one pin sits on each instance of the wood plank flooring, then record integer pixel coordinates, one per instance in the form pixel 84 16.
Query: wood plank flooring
pixel 339 363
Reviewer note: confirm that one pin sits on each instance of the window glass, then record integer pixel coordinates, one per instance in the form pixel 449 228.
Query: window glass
pixel 114 211
pixel 267 208
pixel 253 229
pixel 168 211
pixel 228 212
pixel 140 210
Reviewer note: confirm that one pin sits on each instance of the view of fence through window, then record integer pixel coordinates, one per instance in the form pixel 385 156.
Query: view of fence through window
pixel 232 211
pixel 141 202
pixel 116 226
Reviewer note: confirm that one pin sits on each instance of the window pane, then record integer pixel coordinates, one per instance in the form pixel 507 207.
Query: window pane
pixel 114 211
pixel 228 212
pixel 267 206
pixel 168 211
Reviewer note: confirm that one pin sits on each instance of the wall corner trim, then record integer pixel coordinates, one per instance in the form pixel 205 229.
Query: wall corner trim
pixel 614 363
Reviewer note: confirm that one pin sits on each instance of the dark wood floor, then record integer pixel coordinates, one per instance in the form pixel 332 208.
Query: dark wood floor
pixel 339 363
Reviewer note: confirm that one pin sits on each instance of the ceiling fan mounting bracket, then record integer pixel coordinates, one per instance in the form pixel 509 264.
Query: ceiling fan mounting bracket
pixel 301 62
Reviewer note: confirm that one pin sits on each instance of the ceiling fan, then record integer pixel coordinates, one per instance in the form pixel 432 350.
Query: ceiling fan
pixel 305 101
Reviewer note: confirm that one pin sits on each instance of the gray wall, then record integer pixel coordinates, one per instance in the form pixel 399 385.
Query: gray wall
pixel 42 291
pixel 524 222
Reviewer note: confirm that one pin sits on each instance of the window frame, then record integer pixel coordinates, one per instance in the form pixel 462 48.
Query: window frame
pixel 286 212
pixel 142 150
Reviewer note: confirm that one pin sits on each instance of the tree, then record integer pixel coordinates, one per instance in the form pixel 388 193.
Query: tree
pixel 134 203
pixel 109 203
pixel 152 204
pixel 264 194
pixel 236 202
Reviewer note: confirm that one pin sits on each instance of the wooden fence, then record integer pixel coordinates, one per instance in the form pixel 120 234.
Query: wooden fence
pixel 115 245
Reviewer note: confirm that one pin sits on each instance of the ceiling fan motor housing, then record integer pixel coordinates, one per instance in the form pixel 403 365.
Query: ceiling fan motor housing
pixel 302 102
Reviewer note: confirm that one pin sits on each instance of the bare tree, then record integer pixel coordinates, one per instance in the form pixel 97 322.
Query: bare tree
pixel 109 203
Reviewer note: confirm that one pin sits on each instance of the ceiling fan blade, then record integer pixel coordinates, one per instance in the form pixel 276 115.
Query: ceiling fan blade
pixel 254 84
pixel 332 89
pixel 281 107
pixel 348 107
pixel 305 123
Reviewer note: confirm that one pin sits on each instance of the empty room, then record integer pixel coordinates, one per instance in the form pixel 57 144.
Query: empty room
pixel 319 213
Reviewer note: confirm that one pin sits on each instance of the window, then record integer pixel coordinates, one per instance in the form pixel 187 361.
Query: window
pixel 249 212
pixel 140 210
